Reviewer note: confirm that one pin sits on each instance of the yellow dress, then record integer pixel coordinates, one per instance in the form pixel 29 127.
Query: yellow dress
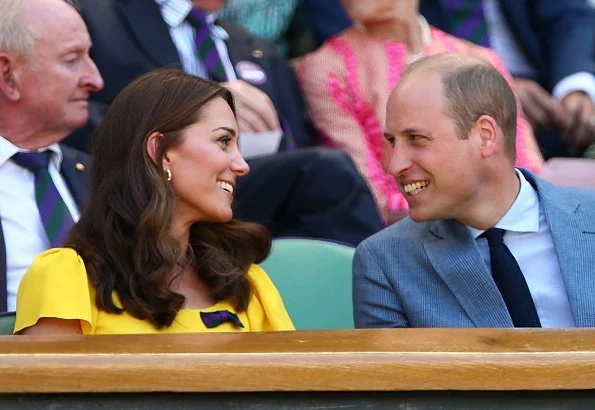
pixel 56 285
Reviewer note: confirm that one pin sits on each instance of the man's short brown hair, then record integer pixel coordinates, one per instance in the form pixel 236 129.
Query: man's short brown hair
pixel 472 88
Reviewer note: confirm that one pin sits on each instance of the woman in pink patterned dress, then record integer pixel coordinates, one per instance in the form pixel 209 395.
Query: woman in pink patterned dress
pixel 346 84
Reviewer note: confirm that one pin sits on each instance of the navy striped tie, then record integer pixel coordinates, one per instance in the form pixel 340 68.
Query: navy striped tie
pixel 55 216
pixel 205 46
pixel 468 21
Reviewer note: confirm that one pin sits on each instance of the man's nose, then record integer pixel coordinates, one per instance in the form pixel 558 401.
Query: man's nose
pixel 92 78
pixel 400 161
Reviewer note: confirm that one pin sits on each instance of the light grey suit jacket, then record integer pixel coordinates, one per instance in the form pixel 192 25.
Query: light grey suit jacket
pixel 431 274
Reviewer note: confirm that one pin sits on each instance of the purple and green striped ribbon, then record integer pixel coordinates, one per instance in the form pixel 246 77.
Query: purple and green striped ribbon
pixel 55 216
pixel 214 319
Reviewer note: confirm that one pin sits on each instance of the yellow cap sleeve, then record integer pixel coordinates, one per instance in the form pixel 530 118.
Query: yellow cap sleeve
pixel 266 310
pixel 55 285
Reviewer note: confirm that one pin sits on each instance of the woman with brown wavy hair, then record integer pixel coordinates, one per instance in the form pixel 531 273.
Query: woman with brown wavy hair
pixel 156 249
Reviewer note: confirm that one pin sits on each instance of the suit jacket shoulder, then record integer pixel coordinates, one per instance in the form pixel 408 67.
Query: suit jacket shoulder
pixel 569 199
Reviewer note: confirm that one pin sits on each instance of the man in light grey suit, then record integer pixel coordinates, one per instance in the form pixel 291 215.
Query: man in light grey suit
pixel 451 125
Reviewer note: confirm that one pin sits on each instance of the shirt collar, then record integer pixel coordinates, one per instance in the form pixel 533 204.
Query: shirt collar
pixel 523 215
pixel 174 13
pixel 426 33
pixel 8 149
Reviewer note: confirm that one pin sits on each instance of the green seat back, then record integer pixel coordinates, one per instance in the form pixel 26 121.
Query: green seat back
pixel 7 323
pixel 314 280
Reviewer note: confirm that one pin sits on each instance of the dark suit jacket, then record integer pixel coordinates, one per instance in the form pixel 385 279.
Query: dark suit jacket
pixel 77 184
pixel 130 38
pixel 558 36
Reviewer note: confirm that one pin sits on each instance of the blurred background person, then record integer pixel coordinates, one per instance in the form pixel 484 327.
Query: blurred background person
pixel 296 27
pixel 549 47
pixel 156 249
pixel 46 78
pixel 346 84
pixel 269 20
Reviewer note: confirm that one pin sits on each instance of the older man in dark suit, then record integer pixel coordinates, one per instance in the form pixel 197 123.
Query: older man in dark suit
pixel 46 77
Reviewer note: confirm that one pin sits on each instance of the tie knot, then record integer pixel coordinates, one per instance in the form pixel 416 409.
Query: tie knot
pixel 494 236
pixel 197 17
pixel 33 161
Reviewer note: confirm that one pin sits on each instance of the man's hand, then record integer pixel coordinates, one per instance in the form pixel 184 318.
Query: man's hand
pixel 255 110
pixel 580 132
pixel 541 109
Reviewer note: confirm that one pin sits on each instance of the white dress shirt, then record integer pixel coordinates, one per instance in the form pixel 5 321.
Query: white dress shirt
pixel 503 42
pixel 174 14
pixel 24 234
pixel 530 241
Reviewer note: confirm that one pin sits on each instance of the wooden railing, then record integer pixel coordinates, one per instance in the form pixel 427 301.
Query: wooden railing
pixel 362 360
pixel 391 360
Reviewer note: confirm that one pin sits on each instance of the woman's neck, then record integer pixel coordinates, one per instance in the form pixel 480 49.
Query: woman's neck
pixel 408 32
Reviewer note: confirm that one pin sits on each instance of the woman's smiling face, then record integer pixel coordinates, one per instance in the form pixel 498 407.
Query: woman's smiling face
pixel 204 167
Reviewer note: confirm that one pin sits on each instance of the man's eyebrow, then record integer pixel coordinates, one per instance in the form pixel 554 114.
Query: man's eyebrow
pixel 411 131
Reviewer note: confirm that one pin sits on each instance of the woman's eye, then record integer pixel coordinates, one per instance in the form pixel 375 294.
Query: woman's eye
pixel 225 140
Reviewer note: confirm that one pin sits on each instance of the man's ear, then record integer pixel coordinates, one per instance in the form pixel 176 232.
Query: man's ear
pixel 489 136
pixel 8 84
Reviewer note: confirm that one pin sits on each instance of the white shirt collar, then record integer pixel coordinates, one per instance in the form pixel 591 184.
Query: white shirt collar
pixel 523 215
pixel 8 149
pixel 426 32
pixel 174 13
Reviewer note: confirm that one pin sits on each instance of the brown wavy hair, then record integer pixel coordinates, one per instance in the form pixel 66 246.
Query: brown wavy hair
pixel 123 235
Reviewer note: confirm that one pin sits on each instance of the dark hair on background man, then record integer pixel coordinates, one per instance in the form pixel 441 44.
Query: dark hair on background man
pixel 123 235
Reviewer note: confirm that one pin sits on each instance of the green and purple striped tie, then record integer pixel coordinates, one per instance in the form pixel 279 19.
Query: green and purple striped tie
pixel 468 21
pixel 55 216
pixel 205 46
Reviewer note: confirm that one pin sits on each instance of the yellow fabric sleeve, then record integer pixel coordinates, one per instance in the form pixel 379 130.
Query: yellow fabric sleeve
pixel 56 286
pixel 266 310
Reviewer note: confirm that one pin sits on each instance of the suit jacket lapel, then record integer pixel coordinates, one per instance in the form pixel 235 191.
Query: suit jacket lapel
pixel 147 25
pixel 455 257
pixel 241 47
pixel 573 234
pixel 238 47
pixel 74 170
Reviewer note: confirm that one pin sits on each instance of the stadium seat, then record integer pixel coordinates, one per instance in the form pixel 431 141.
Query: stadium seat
pixel 314 279
pixel 7 320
